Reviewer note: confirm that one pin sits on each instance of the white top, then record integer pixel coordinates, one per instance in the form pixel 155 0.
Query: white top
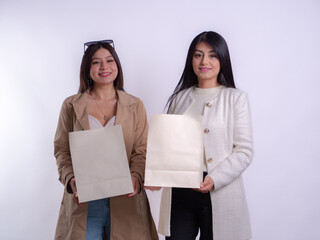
pixel 95 124
pixel 201 97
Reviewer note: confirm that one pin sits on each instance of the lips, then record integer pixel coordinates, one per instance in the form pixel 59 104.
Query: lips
pixel 105 74
pixel 205 69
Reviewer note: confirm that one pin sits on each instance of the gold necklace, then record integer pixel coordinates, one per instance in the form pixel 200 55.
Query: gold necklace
pixel 104 115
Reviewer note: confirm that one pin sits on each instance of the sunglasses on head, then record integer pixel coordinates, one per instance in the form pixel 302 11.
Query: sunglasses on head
pixel 88 44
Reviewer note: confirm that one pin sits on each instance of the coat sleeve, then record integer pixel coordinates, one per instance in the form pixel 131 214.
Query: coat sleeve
pixel 172 106
pixel 138 156
pixel 240 158
pixel 61 145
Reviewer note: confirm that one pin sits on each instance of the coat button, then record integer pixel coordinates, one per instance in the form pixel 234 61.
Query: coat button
pixel 210 160
pixel 206 130
pixel 208 105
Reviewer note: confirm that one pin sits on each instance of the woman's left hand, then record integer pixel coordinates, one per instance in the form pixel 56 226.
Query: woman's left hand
pixel 206 185
pixel 136 186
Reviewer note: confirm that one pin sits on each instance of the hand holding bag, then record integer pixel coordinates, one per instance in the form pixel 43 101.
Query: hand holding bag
pixel 174 151
pixel 100 163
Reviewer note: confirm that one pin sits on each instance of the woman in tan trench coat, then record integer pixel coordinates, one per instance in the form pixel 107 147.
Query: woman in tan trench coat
pixel 102 101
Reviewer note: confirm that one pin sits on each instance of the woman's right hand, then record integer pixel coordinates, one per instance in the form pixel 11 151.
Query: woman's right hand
pixel 73 186
pixel 152 188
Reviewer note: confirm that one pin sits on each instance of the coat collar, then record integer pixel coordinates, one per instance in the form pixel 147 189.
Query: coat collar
pixel 79 104
pixel 186 99
pixel 80 108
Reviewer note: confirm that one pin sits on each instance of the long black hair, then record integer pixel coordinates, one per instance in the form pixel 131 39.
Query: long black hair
pixel 219 45
pixel 86 83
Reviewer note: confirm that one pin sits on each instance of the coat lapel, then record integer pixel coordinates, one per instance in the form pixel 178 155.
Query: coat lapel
pixel 123 107
pixel 80 109
pixel 184 105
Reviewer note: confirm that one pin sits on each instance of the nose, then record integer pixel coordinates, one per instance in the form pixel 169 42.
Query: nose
pixel 204 60
pixel 104 65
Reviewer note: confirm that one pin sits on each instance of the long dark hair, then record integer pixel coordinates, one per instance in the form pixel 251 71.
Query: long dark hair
pixel 219 45
pixel 86 83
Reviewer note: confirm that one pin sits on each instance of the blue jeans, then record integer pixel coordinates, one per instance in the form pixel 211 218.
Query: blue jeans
pixel 98 219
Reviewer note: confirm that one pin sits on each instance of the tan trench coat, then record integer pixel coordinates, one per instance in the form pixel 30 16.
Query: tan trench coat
pixel 130 216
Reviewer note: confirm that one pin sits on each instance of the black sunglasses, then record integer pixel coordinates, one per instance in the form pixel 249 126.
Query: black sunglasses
pixel 88 44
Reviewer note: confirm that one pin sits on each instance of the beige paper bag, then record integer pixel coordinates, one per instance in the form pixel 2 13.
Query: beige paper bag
pixel 174 151
pixel 100 163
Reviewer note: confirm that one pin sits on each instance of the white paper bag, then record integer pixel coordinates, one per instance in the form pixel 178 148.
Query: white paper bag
pixel 100 163
pixel 174 151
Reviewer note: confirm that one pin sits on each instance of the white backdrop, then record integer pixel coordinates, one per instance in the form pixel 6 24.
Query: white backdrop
pixel 274 46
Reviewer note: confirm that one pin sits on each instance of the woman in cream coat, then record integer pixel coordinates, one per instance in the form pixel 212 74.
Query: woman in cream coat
pixel 218 208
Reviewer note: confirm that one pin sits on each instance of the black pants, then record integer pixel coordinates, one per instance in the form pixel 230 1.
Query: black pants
pixel 190 211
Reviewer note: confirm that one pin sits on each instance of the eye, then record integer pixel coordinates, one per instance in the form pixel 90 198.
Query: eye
pixel 110 60
pixel 197 55
pixel 95 62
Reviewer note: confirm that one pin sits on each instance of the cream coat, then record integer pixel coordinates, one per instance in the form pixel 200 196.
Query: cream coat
pixel 130 216
pixel 228 151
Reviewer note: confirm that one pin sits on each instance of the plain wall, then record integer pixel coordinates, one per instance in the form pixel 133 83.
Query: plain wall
pixel 275 51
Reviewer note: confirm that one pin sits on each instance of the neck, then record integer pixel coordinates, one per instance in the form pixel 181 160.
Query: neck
pixel 106 92
pixel 208 84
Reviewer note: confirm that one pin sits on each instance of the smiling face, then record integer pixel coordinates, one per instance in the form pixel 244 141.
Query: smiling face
pixel 103 69
pixel 206 65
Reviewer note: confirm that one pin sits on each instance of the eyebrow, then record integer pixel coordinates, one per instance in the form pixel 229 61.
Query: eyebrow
pixel 202 51
pixel 100 58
